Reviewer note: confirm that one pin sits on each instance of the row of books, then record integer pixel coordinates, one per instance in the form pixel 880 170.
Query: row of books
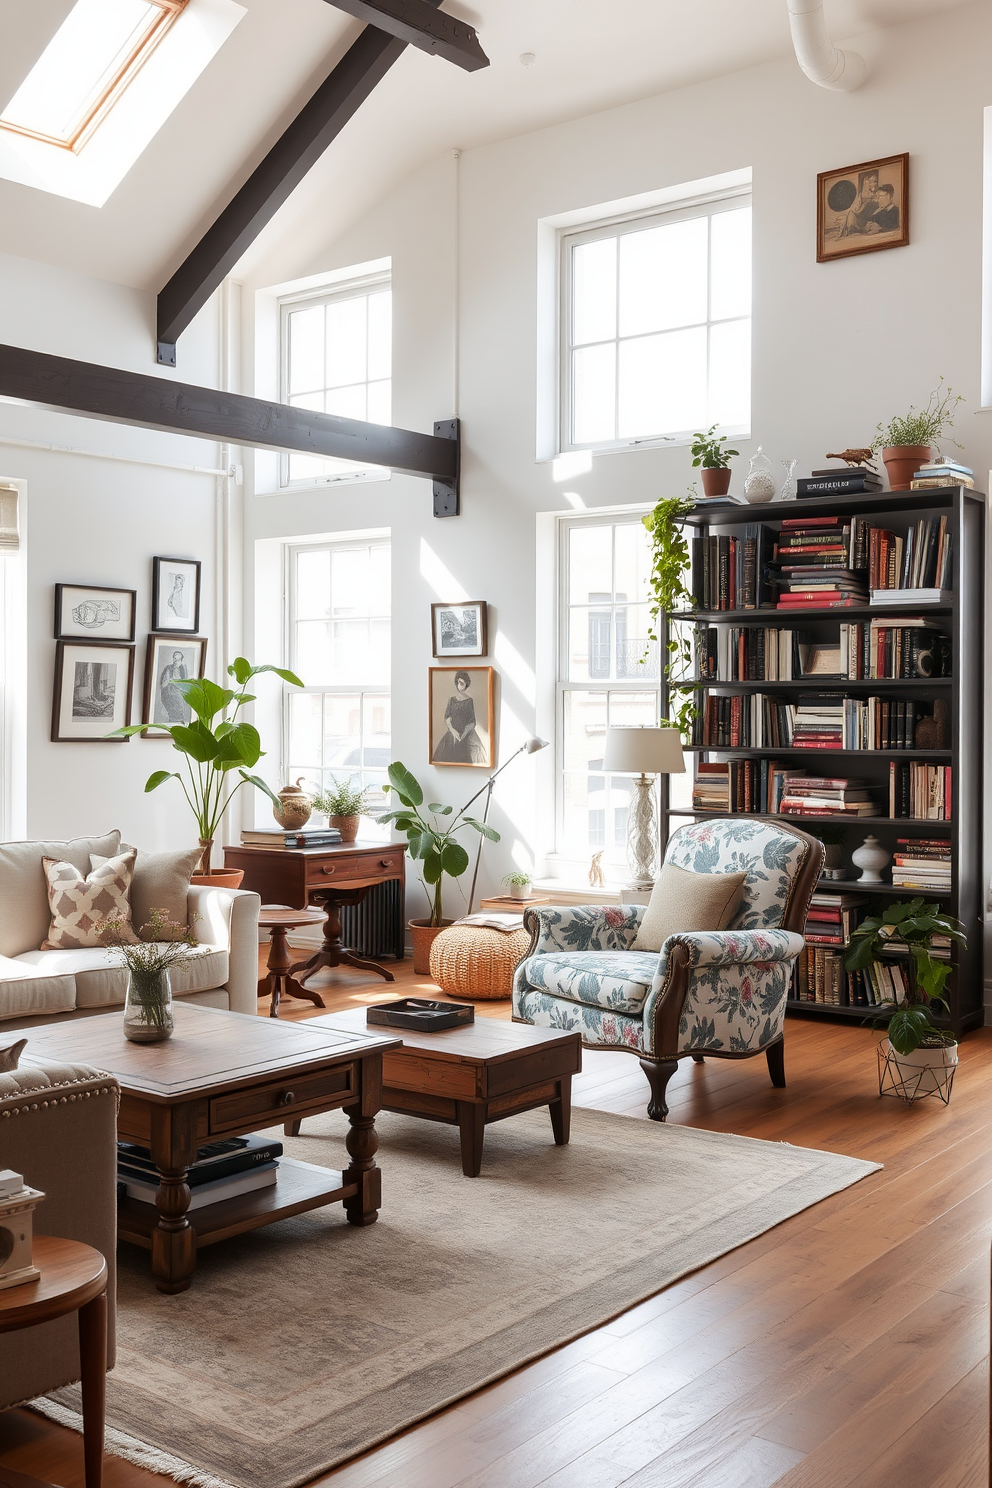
pixel 910 646
pixel 728 573
pixel 738 722
pixel 823 721
pixel 222 1170
pixel 820 976
pixel 922 863
pixel 920 790
pixel 920 560
pixel 278 837
pixel 751 653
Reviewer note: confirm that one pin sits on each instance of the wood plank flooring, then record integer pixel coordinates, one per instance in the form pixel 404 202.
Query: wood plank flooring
pixel 848 1348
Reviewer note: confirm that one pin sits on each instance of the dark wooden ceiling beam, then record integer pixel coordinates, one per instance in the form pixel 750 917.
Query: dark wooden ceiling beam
pixel 183 408
pixel 416 22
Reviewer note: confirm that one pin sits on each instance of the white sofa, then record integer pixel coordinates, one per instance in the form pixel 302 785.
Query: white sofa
pixel 38 986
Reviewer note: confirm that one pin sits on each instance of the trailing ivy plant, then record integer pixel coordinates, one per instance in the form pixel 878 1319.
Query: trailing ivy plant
pixel 670 562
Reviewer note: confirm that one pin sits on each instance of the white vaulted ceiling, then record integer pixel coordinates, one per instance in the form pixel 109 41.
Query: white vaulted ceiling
pixel 590 54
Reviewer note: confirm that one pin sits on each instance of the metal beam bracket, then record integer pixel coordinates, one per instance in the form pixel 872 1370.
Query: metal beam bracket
pixel 447 492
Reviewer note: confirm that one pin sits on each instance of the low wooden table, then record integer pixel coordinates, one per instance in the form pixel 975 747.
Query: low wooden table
pixel 222 1075
pixel 73 1279
pixel 471 1076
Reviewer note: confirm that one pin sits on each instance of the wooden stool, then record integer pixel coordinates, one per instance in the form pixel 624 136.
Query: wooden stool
pixel 334 952
pixel 73 1279
pixel 280 981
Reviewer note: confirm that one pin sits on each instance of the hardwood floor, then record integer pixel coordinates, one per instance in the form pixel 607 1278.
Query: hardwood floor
pixel 848 1348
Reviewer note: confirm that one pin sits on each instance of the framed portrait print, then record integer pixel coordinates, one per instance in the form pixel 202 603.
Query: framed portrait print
pixel 169 659
pixel 460 629
pixel 176 594
pixel 462 716
pixel 92 691
pixel 862 208
pixel 94 612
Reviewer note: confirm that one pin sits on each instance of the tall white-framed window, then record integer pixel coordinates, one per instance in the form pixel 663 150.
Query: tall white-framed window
pixel 338 619
pixel 655 324
pixel 13 661
pixel 336 357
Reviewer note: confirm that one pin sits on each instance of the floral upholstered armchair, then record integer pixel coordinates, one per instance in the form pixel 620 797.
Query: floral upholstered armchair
pixel 721 993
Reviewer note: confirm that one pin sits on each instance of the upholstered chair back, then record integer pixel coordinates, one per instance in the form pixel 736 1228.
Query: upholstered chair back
pixel 772 857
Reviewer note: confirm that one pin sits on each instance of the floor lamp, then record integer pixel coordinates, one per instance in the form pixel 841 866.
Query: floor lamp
pixel 643 752
pixel 530 746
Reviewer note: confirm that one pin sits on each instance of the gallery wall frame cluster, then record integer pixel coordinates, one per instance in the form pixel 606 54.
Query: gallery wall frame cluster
pixel 95 628
pixel 462 699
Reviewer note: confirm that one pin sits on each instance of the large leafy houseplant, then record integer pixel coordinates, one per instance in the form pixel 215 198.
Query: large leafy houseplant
pixel 218 746
pixel 431 834
pixel 670 564
pixel 912 924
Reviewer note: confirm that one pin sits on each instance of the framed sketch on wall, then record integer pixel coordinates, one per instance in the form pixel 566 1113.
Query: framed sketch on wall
pixel 460 629
pixel 462 716
pixel 169 659
pixel 94 612
pixel 176 594
pixel 92 691
pixel 862 208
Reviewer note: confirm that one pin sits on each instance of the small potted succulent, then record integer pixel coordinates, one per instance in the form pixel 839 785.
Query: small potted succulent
pixel 906 443
pixel 518 884
pixel 709 456
pixel 343 803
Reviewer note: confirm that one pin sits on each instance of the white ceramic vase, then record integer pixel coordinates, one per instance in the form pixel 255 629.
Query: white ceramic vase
pixel 871 858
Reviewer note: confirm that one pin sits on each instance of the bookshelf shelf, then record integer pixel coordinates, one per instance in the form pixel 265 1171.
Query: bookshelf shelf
pixel 961 619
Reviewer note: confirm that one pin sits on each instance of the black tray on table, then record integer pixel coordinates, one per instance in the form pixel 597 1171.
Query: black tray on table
pixel 421 1014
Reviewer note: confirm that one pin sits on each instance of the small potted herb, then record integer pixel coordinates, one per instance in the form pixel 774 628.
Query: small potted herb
pixel 343 805
pixel 916 1058
pixel 518 884
pixel 708 453
pixel 907 443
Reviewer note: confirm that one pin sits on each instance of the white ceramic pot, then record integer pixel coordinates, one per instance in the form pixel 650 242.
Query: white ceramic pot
pixel 932 1063
pixel 520 891
pixel 871 858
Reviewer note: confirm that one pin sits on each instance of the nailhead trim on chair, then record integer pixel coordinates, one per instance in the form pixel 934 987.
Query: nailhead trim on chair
pixel 62 1100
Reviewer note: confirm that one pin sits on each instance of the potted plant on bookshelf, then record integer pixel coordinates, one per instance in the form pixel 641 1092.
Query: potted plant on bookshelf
pixel 907 442
pixel 712 460
pixel 670 567
pixel 518 884
pixel 916 1058
pixel 344 805
pixel 432 839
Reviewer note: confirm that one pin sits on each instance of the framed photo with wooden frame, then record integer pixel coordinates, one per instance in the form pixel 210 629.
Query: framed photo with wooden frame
pixel 169 659
pixel 463 716
pixel 176 594
pixel 92 694
pixel 460 629
pixel 863 208
pixel 94 612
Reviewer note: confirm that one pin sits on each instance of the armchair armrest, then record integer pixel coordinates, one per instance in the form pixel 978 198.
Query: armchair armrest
pixel 229 918
pixel 583 927
pixel 727 947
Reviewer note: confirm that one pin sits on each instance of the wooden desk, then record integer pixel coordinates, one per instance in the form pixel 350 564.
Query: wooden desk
pixel 295 876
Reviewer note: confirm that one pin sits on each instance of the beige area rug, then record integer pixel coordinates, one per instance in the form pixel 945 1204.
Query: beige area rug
pixel 305 1343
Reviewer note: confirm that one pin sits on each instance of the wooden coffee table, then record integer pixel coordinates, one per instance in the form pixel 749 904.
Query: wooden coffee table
pixel 222 1075
pixel 471 1076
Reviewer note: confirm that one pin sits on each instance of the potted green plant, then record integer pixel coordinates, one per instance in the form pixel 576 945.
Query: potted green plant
pixel 217 747
pixel 670 594
pixel 708 454
pixel 431 833
pixel 343 803
pixel 518 884
pixel 917 1057
pixel 907 442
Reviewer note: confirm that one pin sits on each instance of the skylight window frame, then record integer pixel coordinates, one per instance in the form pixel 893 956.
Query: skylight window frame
pixel 170 11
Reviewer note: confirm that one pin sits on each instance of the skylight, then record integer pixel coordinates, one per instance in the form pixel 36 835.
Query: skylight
pixel 88 63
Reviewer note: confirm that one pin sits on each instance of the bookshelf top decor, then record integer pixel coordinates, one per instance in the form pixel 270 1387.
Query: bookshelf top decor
pixel 732 513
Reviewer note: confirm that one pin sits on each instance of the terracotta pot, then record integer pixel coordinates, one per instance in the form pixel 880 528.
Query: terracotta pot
pixel 902 461
pixel 715 482
pixel 222 879
pixel 346 825
pixel 423 934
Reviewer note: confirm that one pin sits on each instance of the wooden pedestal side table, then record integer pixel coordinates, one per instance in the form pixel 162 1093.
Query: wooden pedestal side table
pixel 333 952
pixel 73 1279
pixel 280 981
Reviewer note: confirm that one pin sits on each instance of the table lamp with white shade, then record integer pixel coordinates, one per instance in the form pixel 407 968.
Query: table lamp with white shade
pixel 643 752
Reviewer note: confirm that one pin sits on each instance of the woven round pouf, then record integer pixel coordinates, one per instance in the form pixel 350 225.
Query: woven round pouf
pixel 478 963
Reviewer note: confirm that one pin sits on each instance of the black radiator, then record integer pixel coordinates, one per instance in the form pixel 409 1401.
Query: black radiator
pixel 375 927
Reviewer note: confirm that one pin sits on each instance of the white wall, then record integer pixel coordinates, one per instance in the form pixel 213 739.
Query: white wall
pixel 837 347
pixel 100 521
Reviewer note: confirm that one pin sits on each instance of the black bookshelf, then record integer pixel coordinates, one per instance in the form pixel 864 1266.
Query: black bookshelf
pixel 963 622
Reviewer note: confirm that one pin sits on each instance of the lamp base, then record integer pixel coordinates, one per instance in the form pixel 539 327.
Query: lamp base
pixel 642 835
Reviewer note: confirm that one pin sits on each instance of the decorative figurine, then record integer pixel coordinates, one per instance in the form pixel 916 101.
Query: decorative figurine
pixel 295 807
pixel 871 858
pixel 759 486
pixel 855 457
pixel 932 731
pixel 788 491
pixel 596 879
pixel 17 1208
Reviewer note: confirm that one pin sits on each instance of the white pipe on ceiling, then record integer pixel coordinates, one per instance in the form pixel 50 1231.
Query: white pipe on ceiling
pixel 820 60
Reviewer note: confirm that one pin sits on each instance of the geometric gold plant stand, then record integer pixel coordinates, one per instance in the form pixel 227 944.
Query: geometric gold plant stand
pixel 911 1083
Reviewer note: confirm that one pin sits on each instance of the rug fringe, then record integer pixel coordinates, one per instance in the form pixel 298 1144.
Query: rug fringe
pixel 119 1444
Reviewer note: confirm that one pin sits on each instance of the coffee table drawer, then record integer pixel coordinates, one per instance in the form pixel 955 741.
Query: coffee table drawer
pixel 289 1096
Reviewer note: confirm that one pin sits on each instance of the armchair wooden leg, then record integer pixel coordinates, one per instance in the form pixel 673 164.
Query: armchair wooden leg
pixel 659 1073
pixel 775 1054
pixel 699 1058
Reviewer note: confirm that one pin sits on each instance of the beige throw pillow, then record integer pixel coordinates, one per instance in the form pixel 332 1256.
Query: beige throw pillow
pixel 80 906
pixel 160 881
pixel 10 1056
pixel 688 901
pixel 24 912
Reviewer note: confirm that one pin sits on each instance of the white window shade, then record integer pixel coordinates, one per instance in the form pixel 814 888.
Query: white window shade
pixel 9 538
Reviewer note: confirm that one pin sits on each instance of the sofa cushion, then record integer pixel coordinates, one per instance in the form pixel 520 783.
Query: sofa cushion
pixel 684 901
pixel 28 991
pixel 24 914
pixel 160 881
pixel 83 904
pixel 619 980
pixel 101 981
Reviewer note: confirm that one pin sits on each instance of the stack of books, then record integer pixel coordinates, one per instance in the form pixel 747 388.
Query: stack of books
pixel 738 722
pixel 922 863
pixel 920 790
pixel 850 480
pixel 819 723
pixel 822 795
pixel 814 555
pixel 831 918
pixel 728 573
pixel 711 787
pixel 910 646
pixel 222 1170
pixel 278 837
pixel 942 473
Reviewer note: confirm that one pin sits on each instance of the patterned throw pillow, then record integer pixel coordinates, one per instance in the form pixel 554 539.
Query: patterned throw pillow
pixel 81 905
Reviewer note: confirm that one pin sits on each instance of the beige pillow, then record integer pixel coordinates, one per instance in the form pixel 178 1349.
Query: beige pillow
pixel 688 901
pixel 24 913
pixel 10 1056
pixel 160 881
pixel 80 906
